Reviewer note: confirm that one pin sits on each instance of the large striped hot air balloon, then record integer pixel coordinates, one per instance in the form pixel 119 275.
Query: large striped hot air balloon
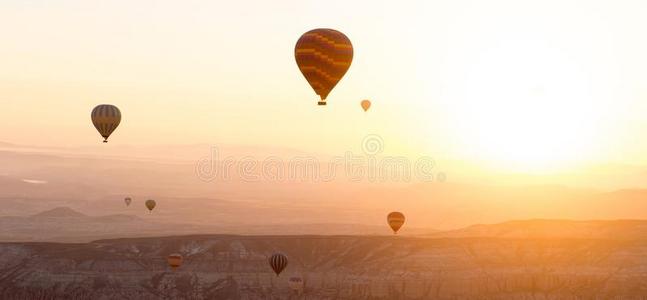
pixel 174 261
pixel 395 220
pixel 323 56
pixel 106 118
pixel 278 262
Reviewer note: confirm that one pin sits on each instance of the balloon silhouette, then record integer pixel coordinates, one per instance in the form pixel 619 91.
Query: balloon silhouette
pixel 278 262
pixel 395 220
pixel 174 261
pixel 106 118
pixel 296 284
pixel 150 204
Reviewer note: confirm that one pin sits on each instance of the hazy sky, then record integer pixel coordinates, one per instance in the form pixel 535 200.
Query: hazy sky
pixel 522 84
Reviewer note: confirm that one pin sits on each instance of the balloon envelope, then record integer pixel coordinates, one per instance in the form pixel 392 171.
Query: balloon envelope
pixel 366 104
pixel 323 56
pixel 395 220
pixel 278 262
pixel 150 204
pixel 106 118
pixel 174 260
pixel 128 200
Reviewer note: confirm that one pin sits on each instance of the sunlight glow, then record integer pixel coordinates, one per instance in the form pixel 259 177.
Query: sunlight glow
pixel 526 106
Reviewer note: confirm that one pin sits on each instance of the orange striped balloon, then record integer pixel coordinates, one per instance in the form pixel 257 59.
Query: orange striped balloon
pixel 395 220
pixel 106 118
pixel 174 261
pixel 323 56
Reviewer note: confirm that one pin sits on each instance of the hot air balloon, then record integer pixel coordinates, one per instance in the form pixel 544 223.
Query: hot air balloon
pixel 106 118
pixel 278 262
pixel 150 204
pixel 296 284
pixel 366 104
pixel 174 261
pixel 128 200
pixel 323 56
pixel 395 219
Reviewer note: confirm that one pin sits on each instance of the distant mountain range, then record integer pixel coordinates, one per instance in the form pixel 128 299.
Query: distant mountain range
pixel 34 181
pixel 60 212
pixel 549 229
pixel 63 224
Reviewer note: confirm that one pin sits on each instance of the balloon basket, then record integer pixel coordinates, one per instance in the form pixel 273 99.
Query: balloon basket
pixel 321 102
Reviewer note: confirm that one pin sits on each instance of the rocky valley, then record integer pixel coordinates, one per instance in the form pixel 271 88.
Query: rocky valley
pixel 332 267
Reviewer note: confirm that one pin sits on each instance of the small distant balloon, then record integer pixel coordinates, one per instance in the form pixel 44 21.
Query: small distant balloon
pixel 395 220
pixel 323 57
pixel 106 118
pixel 174 261
pixel 278 262
pixel 366 104
pixel 150 204
pixel 128 200
pixel 441 177
pixel 296 284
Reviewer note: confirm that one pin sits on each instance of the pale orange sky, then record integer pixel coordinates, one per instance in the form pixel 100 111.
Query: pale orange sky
pixel 523 85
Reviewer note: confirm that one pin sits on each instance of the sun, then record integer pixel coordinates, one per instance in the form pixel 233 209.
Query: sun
pixel 524 107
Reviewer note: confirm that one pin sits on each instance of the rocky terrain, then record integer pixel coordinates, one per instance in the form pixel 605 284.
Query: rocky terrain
pixel 332 267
